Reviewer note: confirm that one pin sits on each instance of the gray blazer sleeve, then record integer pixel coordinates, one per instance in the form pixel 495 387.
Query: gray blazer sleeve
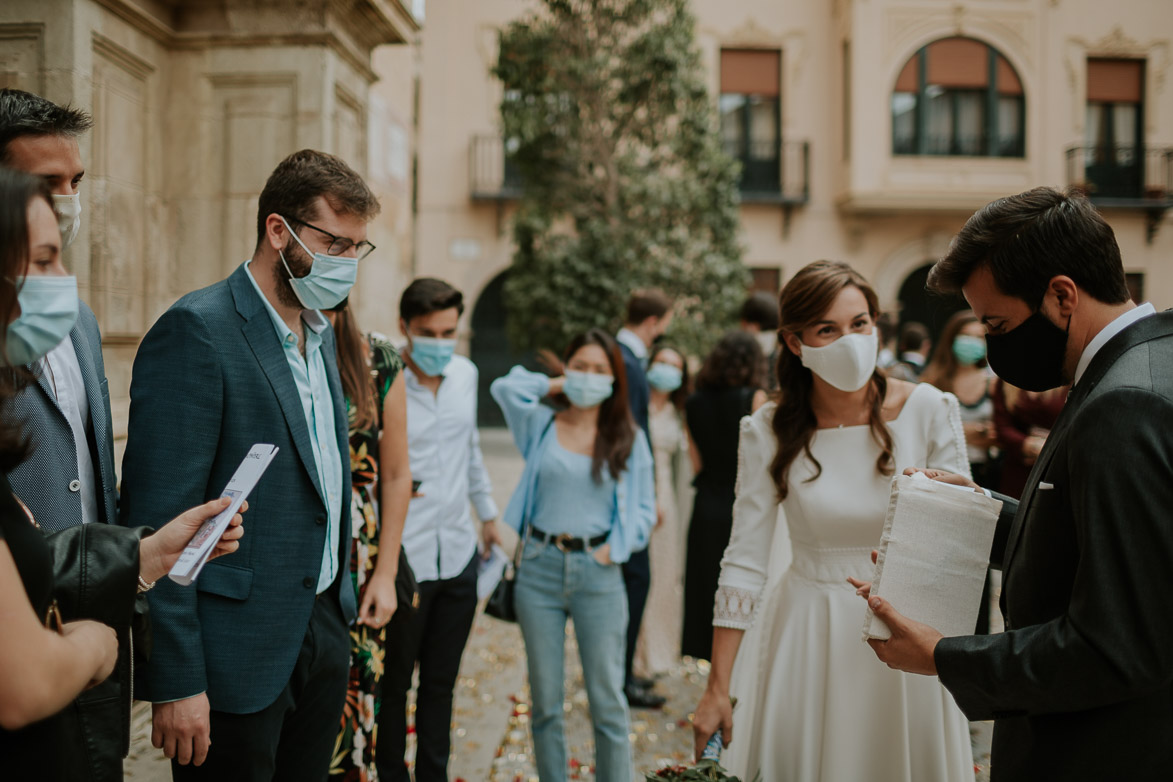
pixel 177 386
pixel 1115 640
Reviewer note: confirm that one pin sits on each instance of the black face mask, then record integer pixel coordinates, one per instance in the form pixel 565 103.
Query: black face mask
pixel 1031 355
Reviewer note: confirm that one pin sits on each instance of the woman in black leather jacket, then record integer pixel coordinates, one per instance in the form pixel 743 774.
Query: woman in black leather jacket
pixel 67 601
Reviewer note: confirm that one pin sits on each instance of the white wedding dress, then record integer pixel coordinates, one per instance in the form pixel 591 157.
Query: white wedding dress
pixel 825 708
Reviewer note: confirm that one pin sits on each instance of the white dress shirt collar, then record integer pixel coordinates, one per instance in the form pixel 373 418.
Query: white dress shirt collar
pixel 1112 329
pixel 633 342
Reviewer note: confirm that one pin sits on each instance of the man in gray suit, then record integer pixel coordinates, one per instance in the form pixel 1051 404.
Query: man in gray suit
pixel 248 670
pixel 69 479
pixel 1080 685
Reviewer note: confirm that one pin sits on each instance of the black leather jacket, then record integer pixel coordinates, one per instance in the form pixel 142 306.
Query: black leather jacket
pixel 95 572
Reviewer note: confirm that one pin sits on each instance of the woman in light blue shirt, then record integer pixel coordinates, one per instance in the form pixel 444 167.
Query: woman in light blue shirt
pixel 587 500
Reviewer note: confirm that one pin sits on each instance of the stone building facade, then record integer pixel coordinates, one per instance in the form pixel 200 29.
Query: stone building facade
pixel 194 103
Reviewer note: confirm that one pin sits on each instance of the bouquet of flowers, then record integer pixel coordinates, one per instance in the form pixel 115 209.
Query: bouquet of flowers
pixel 705 771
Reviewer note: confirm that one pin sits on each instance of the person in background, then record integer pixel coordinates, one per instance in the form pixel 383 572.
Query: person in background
pixel 1022 422
pixel 248 670
pixel 959 367
pixel 759 317
pixel 659 641
pixel 376 414
pixel 586 499
pixel 915 346
pixel 439 536
pixel 728 387
pixel 45 662
pixel 649 313
pixel 887 328
pixel 826 450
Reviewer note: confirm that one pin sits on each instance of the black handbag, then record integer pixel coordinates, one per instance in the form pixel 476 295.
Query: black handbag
pixel 407 589
pixel 500 604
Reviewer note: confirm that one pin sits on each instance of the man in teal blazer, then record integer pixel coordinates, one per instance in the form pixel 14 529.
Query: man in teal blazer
pixel 249 666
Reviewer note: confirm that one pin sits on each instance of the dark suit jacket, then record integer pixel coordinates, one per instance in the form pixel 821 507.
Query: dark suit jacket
pixel 1081 684
pixel 45 480
pixel 210 380
pixel 638 393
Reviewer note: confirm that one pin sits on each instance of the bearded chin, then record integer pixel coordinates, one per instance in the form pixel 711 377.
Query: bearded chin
pixel 297 265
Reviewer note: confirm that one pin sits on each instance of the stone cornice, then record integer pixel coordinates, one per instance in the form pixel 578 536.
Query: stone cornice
pixel 352 28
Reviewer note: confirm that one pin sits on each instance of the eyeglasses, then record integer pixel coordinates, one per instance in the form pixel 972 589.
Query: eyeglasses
pixel 340 244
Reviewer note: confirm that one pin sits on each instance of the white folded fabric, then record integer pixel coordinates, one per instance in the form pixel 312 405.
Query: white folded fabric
pixel 934 553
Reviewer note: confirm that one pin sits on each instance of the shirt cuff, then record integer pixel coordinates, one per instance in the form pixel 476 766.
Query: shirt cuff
pixel 486 508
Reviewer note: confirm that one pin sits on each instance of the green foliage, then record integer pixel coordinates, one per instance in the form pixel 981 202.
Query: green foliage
pixel 626 185
pixel 705 771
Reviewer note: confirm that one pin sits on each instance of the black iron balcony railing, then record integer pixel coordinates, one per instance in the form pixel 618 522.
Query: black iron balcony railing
pixel 1125 176
pixel 773 172
pixel 491 175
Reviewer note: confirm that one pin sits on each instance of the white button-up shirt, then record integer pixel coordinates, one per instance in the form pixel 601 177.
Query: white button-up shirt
pixel 62 369
pixel 439 536
pixel 1112 329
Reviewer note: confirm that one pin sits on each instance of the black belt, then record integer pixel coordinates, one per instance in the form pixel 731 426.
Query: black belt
pixel 567 543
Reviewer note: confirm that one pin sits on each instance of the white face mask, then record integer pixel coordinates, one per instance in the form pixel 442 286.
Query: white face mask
pixel 847 363
pixel 767 340
pixel 68 209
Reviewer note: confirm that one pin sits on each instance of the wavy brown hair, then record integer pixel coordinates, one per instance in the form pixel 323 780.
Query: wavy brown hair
pixel 354 368
pixel 804 300
pixel 17 193
pixel 616 429
pixel 943 368
pixel 735 362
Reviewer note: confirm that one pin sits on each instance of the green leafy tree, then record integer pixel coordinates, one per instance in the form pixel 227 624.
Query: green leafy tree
pixel 626 185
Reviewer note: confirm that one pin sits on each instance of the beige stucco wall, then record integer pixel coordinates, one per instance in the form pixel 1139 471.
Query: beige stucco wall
pixel 192 112
pixel 885 215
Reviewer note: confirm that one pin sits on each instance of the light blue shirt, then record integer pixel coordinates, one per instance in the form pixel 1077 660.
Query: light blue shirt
pixel 633 342
pixel 313 388
pixel 567 500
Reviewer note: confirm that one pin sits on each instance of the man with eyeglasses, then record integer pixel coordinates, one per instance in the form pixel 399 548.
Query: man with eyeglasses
pixel 249 667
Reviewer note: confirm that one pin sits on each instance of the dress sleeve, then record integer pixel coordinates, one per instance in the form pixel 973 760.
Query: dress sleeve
pixel 755 518
pixel 946 438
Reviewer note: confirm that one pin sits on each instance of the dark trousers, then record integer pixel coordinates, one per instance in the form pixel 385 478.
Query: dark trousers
pixel 637 577
pixel 293 738
pixel 435 636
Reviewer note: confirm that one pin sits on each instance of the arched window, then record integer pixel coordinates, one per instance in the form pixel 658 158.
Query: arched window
pixel 958 96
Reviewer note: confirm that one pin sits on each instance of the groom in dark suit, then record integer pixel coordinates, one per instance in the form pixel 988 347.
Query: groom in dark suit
pixel 249 667
pixel 1081 683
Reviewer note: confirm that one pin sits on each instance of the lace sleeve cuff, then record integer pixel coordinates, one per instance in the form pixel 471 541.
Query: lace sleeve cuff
pixel 734 608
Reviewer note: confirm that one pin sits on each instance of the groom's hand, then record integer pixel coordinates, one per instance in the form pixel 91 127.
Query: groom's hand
pixel 912 644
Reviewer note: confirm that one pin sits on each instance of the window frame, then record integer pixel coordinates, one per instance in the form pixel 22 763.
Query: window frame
pixel 991 143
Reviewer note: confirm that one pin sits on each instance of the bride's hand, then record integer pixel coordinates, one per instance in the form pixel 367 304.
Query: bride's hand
pixel 863 588
pixel 713 713
pixel 943 476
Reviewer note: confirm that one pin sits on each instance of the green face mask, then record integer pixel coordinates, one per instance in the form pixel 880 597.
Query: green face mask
pixel 969 350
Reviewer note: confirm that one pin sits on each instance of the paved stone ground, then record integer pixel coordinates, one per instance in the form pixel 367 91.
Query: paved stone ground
pixel 491 740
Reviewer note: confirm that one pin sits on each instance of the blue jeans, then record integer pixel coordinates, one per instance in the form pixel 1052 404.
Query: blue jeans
pixel 552 586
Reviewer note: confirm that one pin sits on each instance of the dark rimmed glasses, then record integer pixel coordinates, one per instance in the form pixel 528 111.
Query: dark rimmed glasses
pixel 340 244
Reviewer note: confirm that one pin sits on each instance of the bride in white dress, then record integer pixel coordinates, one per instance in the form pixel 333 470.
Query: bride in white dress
pixel 826 709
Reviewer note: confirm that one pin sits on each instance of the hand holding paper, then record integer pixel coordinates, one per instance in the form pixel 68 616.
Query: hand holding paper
pixel 159 552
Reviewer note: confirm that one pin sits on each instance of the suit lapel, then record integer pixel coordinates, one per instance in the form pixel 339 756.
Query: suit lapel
pixel 92 384
pixel 1152 327
pixel 266 347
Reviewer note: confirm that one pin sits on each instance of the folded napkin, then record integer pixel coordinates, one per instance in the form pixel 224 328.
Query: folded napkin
pixel 934 553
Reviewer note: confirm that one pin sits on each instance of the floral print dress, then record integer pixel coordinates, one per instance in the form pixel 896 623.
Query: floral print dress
pixel 354 750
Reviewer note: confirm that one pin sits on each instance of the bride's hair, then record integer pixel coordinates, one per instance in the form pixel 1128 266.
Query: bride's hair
pixel 804 300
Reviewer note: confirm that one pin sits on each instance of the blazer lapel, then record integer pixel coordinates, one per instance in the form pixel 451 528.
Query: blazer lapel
pixel 262 339
pixel 93 387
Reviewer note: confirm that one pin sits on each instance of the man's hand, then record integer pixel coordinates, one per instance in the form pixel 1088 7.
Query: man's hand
pixel 945 477
pixel 490 536
pixel 182 729
pixel 912 644
pixel 379 600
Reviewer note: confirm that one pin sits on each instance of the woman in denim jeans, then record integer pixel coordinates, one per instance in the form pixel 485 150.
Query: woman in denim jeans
pixel 587 499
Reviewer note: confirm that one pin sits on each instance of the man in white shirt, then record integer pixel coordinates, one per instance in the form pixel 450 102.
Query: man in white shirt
pixel 439 535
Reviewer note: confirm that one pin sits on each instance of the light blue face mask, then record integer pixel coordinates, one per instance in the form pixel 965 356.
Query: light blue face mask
pixel 587 389
pixel 665 377
pixel 432 354
pixel 330 279
pixel 48 310
pixel 969 350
